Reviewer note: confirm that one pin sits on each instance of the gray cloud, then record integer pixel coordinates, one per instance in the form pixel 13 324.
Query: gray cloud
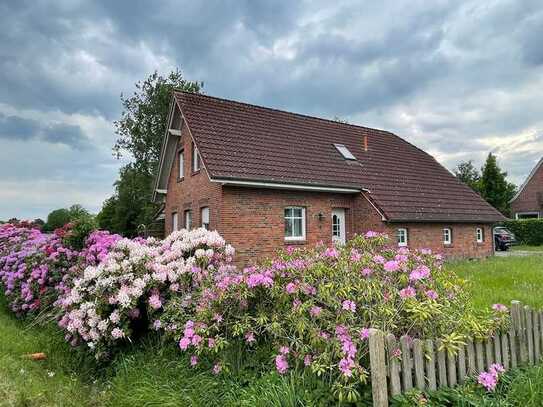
pixel 458 79
pixel 21 129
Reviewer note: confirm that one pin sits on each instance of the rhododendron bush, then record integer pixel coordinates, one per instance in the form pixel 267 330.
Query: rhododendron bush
pixel 125 293
pixel 307 309
pixel 314 308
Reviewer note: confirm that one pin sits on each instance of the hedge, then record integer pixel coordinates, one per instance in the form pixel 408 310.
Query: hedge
pixel 527 231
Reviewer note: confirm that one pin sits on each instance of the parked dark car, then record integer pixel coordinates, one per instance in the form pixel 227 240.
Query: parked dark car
pixel 503 238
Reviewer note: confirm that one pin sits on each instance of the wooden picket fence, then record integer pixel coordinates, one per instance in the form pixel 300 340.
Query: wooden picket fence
pixel 401 365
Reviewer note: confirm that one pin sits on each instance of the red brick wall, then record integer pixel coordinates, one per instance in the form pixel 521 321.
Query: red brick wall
pixel 193 192
pixel 529 199
pixel 252 220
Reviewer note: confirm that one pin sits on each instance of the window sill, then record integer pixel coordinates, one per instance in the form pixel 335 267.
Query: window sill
pixel 195 172
pixel 180 179
pixel 289 242
pixel 448 245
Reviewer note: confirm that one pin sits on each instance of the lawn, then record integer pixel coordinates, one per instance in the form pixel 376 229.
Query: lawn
pixel 502 279
pixel 527 248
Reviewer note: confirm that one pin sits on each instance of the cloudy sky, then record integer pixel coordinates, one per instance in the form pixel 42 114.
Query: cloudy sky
pixel 457 78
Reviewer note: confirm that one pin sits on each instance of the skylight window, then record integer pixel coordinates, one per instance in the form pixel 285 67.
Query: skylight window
pixel 344 151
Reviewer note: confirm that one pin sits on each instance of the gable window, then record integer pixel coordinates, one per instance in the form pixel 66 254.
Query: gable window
pixel 188 219
pixel 204 216
pixel 344 151
pixel 480 235
pixel 401 236
pixel 195 158
pixel 447 236
pixel 181 173
pixel 294 223
pixel 175 222
pixel 527 215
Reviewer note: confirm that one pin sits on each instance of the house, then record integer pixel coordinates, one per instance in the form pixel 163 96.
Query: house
pixel 528 202
pixel 266 179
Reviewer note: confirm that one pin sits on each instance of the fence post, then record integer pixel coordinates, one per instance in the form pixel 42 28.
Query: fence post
pixel 518 324
pixel 393 365
pixel 378 368
pixel 431 365
pixel 418 360
pixel 529 333
pixel 407 363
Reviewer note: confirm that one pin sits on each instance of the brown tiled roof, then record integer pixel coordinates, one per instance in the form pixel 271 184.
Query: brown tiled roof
pixel 246 142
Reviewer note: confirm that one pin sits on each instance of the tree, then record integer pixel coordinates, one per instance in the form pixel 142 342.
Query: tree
pixel 56 219
pixel 140 131
pixel 494 186
pixel 469 175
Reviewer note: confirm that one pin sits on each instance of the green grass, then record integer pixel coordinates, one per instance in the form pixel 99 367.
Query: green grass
pixel 527 248
pixel 502 279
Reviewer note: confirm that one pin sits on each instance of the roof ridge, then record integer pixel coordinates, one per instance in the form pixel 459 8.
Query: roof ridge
pixel 286 111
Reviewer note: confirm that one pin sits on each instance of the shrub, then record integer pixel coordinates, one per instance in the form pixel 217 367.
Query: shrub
pixel 312 309
pixel 527 231
pixel 125 293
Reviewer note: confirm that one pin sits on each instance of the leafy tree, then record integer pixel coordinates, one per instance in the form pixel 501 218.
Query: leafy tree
pixel 140 131
pixel 494 186
pixel 469 175
pixel 57 218
pixel 38 222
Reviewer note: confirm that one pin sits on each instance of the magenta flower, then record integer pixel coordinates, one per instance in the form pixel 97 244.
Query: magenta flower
pixel 431 294
pixel 348 305
pixel 281 364
pixel 250 337
pixel 217 368
pixel 408 292
pixel 331 252
pixel 364 333
pixel 355 255
pixel 315 311
pixel 345 366
pixel 487 380
pixel 366 272
pixel 307 360
pixel 290 288
pixel 499 308
pixel 371 233
pixel 419 273
pixel 193 360
pixel 391 265
pixel 154 301
pixel 184 343
pixel 284 350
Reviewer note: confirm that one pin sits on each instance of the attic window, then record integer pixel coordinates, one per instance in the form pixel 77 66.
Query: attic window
pixel 344 151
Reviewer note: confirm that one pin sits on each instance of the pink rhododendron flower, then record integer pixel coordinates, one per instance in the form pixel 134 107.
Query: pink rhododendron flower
pixel 371 233
pixel 281 364
pixel 379 259
pixel 419 273
pixel 284 350
pixel 217 368
pixel 391 265
pixel 250 337
pixel 117 333
pixel 355 255
pixel 408 292
pixel 307 360
pixel 366 272
pixel 315 311
pixel 211 343
pixel 364 333
pixel 184 343
pixel 431 294
pixel 487 380
pixel 331 252
pixel 348 305
pixel 345 366
pixel 291 288
pixel 193 360
pixel 499 308
pixel 154 301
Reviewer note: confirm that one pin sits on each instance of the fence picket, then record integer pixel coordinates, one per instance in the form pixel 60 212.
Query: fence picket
pixel 529 333
pixel 472 369
pixel 418 360
pixel 407 373
pixel 479 355
pixel 431 365
pixel 378 368
pixel 489 352
pixel 393 365
pixel 462 364
pixel 451 368
pixel 504 337
pixel 537 335
pixel 519 323
pixel 513 342
pixel 441 365
pixel 497 349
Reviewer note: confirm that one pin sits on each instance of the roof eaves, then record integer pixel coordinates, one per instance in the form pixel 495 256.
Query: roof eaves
pixel 532 173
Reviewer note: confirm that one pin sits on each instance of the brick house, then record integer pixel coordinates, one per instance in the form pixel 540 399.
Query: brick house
pixel 265 179
pixel 528 202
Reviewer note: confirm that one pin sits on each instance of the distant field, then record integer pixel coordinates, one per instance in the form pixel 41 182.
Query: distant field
pixel 502 279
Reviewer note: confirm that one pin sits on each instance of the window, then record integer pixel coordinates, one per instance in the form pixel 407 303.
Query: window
pixel 527 215
pixel 480 235
pixel 188 220
pixel 402 237
pixel 175 222
pixel 204 216
pixel 181 164
pixel 294 223
pixel 344 151
pixel 447 236
pixel 195 159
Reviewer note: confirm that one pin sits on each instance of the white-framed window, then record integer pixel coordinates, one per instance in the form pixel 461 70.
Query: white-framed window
pixel 401 236
pixel 447 236
pixel 175 221
pixel 204 216
pixel 479 233
pixel 294 223
pixel 188 219
pixel 527 215
pixel 181 173
pixel 195 158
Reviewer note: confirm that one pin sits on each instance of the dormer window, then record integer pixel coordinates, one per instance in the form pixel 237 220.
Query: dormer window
pixel 344 151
